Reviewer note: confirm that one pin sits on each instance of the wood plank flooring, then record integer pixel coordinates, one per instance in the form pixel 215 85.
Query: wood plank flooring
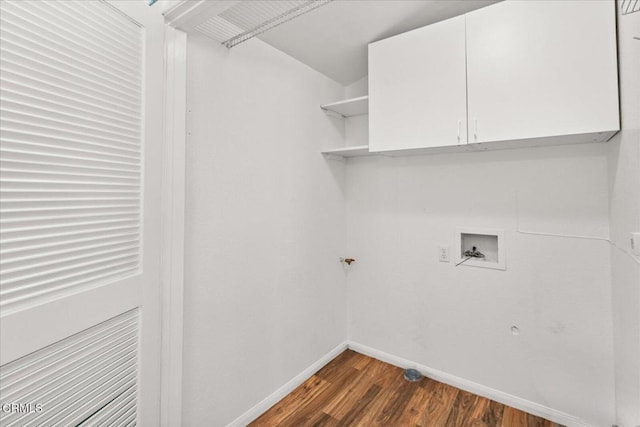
pixel 356 390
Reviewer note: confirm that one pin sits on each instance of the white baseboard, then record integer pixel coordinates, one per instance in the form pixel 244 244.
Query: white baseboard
pixel 472 387
pixel 461 383
pixel 287 388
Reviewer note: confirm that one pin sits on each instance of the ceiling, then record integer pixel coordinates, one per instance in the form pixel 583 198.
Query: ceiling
pixel 333 39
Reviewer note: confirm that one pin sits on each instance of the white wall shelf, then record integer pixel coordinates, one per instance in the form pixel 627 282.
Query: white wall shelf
pixel 363 150
pixel 348 107
pixel 360 150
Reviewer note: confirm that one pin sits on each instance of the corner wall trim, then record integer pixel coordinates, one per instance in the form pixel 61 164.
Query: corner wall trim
pixel 287 388
pixel 472 387
pixel 173 203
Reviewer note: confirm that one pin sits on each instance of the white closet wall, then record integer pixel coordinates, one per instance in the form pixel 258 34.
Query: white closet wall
pixel 265 219
pixel 624 204
pixel 556 290
pixel 265 225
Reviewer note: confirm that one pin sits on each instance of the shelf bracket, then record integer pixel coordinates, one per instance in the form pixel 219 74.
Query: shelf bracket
pixel 332 113
pixel 335 157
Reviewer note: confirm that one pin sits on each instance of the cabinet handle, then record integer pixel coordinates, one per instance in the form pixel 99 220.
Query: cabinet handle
pixel 475 128
pixel 459 122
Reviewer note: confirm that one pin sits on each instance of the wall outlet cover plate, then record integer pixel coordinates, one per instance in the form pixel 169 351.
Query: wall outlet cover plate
pixel 443 253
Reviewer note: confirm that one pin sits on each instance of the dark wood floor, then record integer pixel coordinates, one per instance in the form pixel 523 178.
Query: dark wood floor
pixel 356 390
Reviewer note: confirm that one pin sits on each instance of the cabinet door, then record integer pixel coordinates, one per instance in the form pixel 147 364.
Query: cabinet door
pixel 541 68
pixel 417 88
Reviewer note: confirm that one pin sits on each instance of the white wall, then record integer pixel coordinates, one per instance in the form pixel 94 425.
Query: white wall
pixel 556 290
pixel 266 222
pixel 356 128
pixel 265 225
pixel 624 180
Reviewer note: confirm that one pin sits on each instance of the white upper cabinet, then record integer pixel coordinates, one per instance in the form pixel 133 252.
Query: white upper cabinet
pixel 539 69
pixel 513 74
pixel 417 88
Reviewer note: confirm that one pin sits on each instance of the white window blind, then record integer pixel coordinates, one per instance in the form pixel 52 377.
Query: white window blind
pixel 70 154
pixel 87 379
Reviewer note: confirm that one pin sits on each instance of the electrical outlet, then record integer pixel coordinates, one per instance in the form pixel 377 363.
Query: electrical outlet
pixel 443 253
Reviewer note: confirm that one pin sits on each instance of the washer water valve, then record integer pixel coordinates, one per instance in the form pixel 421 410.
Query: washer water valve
pixel 470 254
pixel 473 253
